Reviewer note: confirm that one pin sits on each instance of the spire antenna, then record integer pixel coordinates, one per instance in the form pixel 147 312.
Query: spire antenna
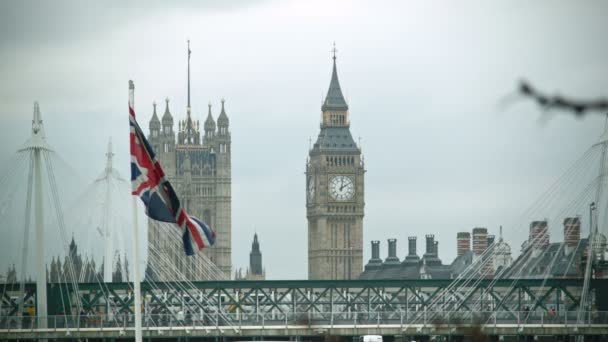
pixel 189 52
pixel 334 50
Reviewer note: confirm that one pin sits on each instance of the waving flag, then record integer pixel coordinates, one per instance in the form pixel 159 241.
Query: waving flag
pixel 150 184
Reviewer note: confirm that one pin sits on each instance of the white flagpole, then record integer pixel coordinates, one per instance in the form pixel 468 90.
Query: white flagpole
pixel 136 280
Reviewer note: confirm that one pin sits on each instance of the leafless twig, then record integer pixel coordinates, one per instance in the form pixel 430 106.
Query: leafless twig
pixel 578 107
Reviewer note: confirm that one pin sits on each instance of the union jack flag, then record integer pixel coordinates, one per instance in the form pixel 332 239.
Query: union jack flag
pixel 150 184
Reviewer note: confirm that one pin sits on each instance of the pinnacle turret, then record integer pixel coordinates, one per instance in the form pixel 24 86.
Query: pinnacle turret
pixel 255 246
pixel 167 117
pixel 154 122
pixel 73 247
pixel 209 122
pixel 222 119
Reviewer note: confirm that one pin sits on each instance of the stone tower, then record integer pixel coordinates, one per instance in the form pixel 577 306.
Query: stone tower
pixel 198 165
pixel 256 270
pixel 221 144
pixel 335 193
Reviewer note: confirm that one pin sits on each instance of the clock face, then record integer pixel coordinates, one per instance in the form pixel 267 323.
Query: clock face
pixel 311 188
pixel 341 188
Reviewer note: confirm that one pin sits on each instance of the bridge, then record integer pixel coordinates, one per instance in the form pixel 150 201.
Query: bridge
pixel 506 303
pixel 304 309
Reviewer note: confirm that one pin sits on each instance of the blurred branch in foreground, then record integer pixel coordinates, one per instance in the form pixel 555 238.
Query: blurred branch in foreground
pixel 578 107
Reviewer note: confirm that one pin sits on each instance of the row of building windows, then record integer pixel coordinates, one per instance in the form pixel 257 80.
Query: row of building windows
pixel 166 148
pixel 340 161
pixel 199 190
pixel 337 119
pixel 167 131
pixel 203 190
pixel 341 209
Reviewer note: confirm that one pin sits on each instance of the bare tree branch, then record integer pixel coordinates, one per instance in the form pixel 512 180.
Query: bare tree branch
pixel 578 107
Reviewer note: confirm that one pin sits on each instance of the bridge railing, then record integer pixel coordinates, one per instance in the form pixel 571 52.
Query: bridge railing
pixel 332 319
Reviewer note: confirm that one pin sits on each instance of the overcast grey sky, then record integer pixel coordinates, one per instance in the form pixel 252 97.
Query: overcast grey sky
pixel 423 80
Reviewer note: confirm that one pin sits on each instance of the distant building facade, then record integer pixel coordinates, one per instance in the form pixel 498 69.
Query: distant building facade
pixel 540 257
pixel 491 256
pixel 198 165
pixel 76 268
pixel 335 193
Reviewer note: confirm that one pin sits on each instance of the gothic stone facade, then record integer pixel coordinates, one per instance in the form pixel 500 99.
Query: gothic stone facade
pixel 200 171
pixel 335 194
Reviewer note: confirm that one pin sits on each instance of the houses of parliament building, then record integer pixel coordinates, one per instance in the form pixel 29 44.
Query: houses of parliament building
pixel 197 163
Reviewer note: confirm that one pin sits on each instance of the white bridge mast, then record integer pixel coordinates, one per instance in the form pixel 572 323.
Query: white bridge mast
pixel 106 220
pixel 36 145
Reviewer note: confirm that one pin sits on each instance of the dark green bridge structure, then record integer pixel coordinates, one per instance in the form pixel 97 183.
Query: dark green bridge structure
pixel 304 309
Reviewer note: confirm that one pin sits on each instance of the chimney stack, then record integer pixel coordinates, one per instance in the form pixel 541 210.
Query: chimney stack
pixel 463 243
pixel 392 258
pixel 411 246
pixel 430 244
pixel 480 244
pixel 539 234
pixel 491 239
pixel 436 249
pixel 375 262
pixel 480 240
pixel 412 257
pixel 375 249
pixel 572 233
pixel 392 248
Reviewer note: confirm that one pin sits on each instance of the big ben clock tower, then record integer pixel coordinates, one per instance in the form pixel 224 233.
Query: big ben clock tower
pixel 335 193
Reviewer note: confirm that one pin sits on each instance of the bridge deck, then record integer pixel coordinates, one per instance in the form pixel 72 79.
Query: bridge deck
pixel 310 308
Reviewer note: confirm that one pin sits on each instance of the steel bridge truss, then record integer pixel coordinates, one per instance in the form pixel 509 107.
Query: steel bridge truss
pixel 315 297
pixel 306 308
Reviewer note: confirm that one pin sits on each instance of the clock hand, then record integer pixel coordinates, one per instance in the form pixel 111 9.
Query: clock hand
pixel 342 184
